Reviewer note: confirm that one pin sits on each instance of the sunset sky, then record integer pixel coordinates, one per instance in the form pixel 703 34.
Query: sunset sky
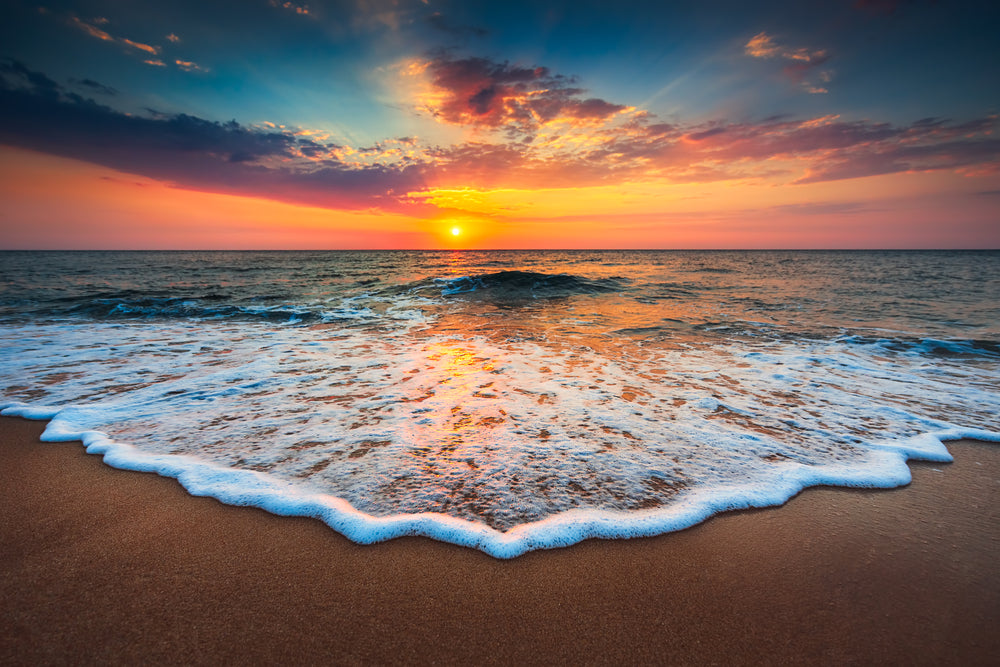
pixel 427 124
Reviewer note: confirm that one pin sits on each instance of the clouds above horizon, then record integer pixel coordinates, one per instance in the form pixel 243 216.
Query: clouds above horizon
pixel 482 93
pixel 531 128
pixel 801 64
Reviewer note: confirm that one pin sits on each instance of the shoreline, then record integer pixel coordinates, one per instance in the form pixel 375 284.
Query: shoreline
pixel 108 565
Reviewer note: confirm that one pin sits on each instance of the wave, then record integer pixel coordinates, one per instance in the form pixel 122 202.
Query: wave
pixel 211 306
pixel 518 285
pixel 711 269
pixel 928 347
pixel 164 304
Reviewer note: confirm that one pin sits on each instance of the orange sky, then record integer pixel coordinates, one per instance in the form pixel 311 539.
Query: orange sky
pixel 73 204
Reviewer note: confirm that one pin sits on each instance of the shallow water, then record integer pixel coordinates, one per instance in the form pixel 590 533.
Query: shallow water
pixel 506 400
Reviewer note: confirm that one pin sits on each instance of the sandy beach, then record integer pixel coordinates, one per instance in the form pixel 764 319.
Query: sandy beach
pixel 102 565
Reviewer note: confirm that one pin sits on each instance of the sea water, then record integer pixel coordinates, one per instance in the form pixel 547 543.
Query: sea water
pixel 501 400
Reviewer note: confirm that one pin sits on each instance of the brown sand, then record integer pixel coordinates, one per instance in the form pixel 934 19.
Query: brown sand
pixel 101 565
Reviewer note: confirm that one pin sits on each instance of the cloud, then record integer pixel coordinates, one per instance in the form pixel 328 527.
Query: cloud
pixel 94 87
pixel 481 93
pixel 762 46
pixel 189 66
pixel 153 54
pixel 399 174
pixel 19 77
pixel 153 50
pixel 191 152
pixel 91 29
pixel 800 62
pixel 916 148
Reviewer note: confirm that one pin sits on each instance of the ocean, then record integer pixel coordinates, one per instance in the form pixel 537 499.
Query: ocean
pixel 506 400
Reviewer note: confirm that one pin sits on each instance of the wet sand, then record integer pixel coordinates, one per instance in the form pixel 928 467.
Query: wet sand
pixel 102 565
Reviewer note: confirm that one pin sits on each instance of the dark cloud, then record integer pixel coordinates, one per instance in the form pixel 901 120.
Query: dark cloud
pixel 38 114
pixel 94 86
pixel 497 95
pixel 15 74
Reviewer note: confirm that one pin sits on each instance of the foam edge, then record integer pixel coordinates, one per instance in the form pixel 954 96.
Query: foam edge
pixel 250 488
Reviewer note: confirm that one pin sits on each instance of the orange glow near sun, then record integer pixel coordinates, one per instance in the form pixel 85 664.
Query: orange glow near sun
pixel 53 202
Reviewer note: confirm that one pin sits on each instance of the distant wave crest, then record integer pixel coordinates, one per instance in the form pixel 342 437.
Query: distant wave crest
pixel 129 305
pixel 515 285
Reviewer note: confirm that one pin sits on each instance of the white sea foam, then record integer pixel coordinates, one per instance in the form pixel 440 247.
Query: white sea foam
pixel 502 443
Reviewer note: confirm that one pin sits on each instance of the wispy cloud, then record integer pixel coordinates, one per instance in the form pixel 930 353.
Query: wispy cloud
pixel 152 50
pixel 90 27
pixel 189 66
pixel 800 63
pixel 152 54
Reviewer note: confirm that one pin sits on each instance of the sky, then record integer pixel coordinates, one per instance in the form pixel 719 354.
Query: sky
pixel 328 124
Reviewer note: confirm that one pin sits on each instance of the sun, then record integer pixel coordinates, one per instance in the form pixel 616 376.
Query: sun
pixel 456 231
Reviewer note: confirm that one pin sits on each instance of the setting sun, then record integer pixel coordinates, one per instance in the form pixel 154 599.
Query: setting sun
pixel 455 231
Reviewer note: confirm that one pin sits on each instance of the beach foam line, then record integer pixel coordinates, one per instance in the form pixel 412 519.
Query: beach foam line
pixel 250 488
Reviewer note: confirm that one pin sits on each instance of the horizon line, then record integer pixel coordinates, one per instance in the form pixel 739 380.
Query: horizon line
pixel 880 249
